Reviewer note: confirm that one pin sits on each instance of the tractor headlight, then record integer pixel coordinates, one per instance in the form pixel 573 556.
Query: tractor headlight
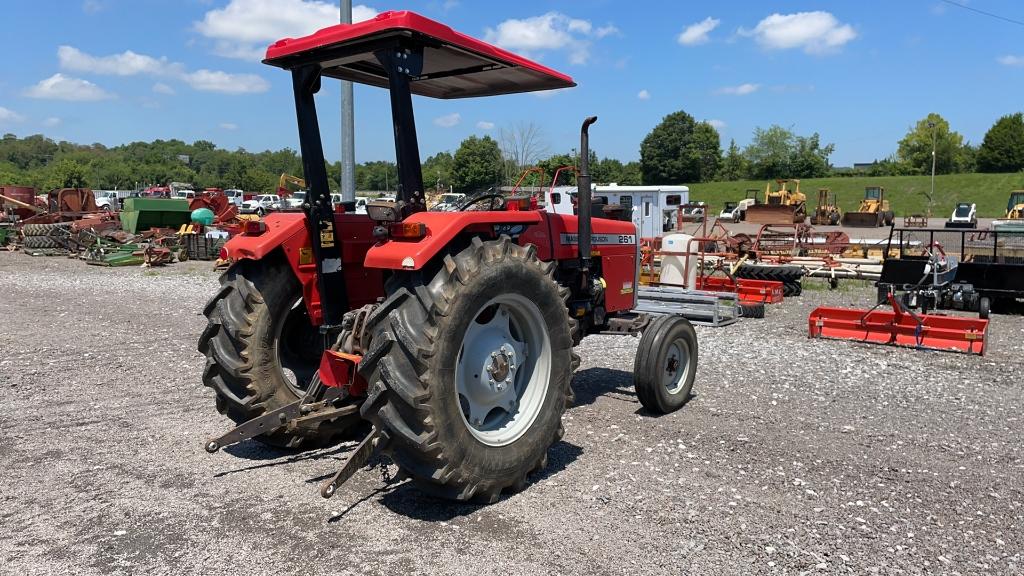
pixel 382 211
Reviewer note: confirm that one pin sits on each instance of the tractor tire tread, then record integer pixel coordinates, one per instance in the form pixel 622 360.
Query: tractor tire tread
pixel 399 372
pixel 236 352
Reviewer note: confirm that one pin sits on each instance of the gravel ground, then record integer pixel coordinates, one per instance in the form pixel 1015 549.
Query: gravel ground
pixel 795 456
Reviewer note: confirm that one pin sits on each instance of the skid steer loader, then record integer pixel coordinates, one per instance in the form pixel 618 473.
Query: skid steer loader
pixel 450 333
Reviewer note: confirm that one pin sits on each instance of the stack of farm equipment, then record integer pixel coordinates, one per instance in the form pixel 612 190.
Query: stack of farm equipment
pixel 931 271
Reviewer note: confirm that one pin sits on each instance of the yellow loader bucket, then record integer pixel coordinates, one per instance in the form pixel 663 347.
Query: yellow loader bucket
pixel 774 214
pixel 862 219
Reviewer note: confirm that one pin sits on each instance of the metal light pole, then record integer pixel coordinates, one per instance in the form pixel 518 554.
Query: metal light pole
pixel 348 137
pixel 932 199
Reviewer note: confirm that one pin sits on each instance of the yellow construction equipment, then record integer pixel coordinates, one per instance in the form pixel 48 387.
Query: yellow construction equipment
pixel 784 205
pixel 827 213
pixel 872 212
pixel 1014 219
pixel 282 185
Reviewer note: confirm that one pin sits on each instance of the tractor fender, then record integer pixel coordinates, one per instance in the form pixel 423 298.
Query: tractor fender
pixel 285 231
pixel 281 228
pixel 442 228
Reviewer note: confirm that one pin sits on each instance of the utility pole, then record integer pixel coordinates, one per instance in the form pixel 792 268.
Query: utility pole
pixel 348 136
pixel 931 199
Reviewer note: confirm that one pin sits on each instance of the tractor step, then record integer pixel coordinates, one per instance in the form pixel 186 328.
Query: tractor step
pixel 900 327
pixel 697 306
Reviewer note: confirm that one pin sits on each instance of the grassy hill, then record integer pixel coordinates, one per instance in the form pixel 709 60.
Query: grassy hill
pixel 988 191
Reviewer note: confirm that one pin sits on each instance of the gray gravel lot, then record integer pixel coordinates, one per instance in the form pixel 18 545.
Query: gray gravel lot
pixel 795 456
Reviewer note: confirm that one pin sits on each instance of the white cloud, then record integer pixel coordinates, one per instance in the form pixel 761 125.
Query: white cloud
pixel 129 63
pixel 217 81
pixel 61 87
pixel 52 122
pixel 92 6
pixel 8 115
pixel 243 28
pixel 698 33
pixel 448 120
pixel 548 32
pixel 1011 60
pixel 643 95
pixel 716 124
pixel 485 125
pixel 815 32
pixel 229 126
pixel 126 63
pixel 741 90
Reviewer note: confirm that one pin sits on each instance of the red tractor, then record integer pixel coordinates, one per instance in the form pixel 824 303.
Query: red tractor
pixel 452 333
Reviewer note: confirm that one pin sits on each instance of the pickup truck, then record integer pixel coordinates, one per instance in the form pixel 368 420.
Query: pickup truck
pixel 261 204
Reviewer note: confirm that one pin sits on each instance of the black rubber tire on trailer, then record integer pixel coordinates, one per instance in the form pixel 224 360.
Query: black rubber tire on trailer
pixel 792 289
pixel 752 310
pixel 414 370
pixel 662 385
pixel 765 272
pixel 984 308
pixel 33 230
pixel 258 331
pixel 40 242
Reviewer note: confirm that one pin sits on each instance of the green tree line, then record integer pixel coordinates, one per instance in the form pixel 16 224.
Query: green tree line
pixel 679 150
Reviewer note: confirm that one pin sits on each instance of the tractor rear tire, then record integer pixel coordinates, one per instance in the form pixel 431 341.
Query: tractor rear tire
pixel 261 348
pixel 457 434
pixel 665 365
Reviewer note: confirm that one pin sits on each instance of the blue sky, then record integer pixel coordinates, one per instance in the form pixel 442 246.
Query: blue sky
pixel 859 73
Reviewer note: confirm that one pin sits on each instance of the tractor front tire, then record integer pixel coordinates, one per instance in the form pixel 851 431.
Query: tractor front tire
pixel 666 364
pixel 469 371
pixel 752 309
pixel 261 348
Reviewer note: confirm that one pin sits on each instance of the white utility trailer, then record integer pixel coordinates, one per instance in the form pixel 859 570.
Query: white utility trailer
pixel 653 209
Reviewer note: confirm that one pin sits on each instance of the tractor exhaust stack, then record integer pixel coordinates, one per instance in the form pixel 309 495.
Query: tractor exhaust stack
pixel 583 197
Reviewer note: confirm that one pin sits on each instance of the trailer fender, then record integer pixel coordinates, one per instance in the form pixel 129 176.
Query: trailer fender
pixel 287 232
pixel 442 228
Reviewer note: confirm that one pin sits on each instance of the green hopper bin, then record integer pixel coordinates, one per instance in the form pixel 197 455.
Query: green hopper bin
pixel 141 214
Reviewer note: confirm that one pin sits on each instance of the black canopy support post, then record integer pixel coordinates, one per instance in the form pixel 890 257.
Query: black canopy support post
pixel 401 64
pixel 318 207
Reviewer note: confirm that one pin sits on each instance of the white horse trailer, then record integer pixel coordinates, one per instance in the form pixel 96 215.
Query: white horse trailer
pixel 653 209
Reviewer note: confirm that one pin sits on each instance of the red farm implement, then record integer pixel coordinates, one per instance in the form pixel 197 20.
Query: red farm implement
pixel 900 327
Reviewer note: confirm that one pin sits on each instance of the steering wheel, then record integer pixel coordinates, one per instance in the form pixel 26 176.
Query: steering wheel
pixel 489 196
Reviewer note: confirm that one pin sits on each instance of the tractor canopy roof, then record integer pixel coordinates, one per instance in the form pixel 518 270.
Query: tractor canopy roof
pixel 454 65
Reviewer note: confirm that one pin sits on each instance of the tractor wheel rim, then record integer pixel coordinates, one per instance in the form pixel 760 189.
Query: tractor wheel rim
pixel 295 339
pixel 503 369
pixel 676 366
